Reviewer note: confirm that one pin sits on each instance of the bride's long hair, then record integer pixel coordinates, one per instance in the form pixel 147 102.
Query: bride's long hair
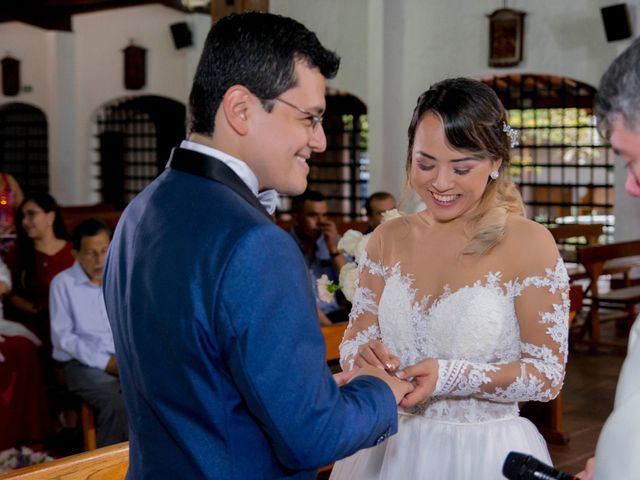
pixel 474 120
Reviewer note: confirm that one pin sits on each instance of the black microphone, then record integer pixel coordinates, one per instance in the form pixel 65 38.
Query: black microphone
pixel 520 466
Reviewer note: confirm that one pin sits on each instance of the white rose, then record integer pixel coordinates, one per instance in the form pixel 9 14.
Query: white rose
pixel 390 214
pixel 349 279
pixel 361 247
pixel 349 241
pixel 323 289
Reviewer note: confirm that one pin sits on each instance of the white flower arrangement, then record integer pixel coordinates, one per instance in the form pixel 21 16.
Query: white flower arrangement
pixel 13 458
pixel 353 244
pixel 390 215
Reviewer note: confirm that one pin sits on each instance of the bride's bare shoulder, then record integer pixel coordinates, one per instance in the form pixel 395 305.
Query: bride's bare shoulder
pixel 524 230
pixel 530 240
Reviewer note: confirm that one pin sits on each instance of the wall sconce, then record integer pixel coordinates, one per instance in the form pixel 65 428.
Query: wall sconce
pixel 506 33
pixel 10 76
pixel 135 67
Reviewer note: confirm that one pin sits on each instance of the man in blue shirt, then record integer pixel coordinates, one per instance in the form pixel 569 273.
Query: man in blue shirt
pixel 81 335
pixel 317 236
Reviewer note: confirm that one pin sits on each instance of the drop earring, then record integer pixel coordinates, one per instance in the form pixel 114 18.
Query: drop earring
pixel 494 175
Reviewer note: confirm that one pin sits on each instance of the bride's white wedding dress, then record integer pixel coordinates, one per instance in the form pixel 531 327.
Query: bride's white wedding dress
pixel 489 360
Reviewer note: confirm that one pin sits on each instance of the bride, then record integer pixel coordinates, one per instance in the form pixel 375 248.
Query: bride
pixel 467 298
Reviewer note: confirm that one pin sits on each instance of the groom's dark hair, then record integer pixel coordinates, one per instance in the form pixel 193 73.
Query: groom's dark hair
pixel 258 51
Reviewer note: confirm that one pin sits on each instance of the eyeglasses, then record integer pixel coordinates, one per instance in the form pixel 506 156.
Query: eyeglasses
pixel 94 254
pixel 32 213
pixel 313 119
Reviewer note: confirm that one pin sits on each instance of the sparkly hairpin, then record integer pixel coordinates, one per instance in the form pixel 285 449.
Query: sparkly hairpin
pixel 513 134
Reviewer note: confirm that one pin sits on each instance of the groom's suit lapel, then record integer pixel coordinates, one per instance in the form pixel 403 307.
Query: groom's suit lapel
pixel 197 163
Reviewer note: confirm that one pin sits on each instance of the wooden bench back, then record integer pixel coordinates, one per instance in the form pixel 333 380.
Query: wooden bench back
pixel 108 463
pixel 591 233
pixel 332 337
pixel 342 226
pixel 593 257
pixel 74 215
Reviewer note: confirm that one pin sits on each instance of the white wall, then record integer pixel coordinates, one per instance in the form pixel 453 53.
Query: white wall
pixel 67 172
pixel 29 45
pixel 100 38
pixel 73 73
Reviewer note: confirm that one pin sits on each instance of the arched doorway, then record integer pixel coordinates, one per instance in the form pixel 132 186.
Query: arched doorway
pixel 133 138
pixel 24 146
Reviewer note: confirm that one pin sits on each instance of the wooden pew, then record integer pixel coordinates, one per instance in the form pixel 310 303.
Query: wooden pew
pixel 88 423
pixel 569 237
pixel 73 215
pixel 108 463
pixel 332 337
pixel 547 416
pixel 585 234
pixel 341 225
pixel 600 260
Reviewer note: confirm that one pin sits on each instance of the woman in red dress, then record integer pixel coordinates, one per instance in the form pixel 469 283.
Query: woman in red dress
pixel 42 250
pixel 24 412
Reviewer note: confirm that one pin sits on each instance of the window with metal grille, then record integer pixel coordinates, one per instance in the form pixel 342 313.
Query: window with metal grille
pixel 133 138
pixel 564 169
pixel 341 172
pixel 24 148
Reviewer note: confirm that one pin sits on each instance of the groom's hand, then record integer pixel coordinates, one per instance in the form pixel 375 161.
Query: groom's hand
pixel 342 378
pixel 424 377
pixel 400 388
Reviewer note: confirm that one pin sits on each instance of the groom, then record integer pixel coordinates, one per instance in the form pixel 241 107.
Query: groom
pixel 221 357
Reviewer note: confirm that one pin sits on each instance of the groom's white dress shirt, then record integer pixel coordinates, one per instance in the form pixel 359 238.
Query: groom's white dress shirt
pixel 618 451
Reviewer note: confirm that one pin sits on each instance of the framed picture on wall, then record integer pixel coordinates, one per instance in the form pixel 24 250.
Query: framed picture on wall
pixel 506 32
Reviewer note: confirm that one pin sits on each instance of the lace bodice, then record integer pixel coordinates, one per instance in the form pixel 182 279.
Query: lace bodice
pixel 492 349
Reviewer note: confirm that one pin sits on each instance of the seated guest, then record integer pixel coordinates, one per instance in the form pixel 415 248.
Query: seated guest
pixel 5 284
pixel 24 417
pixel 376 205
pixel 10 197
pixel 81 335
pixel 317 237
pixel 24 411
pixel 42 250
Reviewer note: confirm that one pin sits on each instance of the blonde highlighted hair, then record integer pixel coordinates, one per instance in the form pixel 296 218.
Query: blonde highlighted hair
pixel 474 119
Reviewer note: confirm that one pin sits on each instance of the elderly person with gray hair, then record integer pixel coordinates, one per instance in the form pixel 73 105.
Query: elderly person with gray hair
pixel 618 112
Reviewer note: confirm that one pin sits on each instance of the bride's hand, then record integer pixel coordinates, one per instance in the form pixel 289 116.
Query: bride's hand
pixel 342 378
pixel 589 470
pixel 425 378
pixel 376 354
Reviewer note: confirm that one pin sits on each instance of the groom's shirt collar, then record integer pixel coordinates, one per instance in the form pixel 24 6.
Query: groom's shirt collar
pixel 268 198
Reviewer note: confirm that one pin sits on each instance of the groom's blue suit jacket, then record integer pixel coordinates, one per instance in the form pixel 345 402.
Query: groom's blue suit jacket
pixel 220 353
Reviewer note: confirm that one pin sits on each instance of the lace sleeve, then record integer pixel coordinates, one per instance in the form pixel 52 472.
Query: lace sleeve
pixel 542 309
pixel 363 318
